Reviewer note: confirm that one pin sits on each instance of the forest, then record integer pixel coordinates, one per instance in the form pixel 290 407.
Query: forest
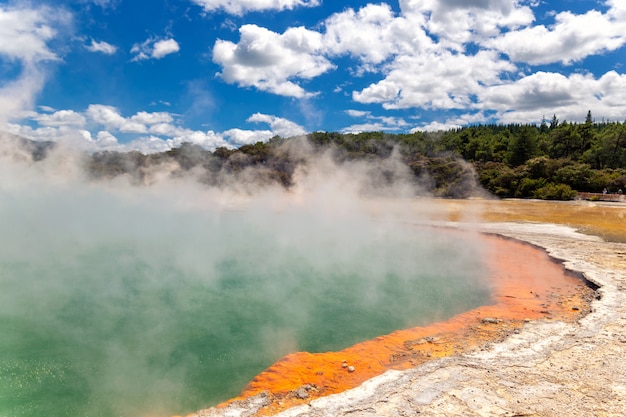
pixel 554 160
pixel 551 161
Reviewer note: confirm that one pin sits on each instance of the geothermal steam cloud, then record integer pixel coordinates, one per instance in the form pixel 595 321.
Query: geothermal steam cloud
pixel 126 299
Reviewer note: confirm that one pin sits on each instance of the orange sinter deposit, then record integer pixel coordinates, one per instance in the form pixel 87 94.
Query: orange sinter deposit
pixel 527 285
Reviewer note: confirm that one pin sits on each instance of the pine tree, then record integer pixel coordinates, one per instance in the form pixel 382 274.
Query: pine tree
pixel 524 146
pixel 554 123
pixel 587 133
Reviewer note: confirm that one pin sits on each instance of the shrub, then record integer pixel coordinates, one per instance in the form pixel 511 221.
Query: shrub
pixel 553 191
pixel 577 176
pixel 528 186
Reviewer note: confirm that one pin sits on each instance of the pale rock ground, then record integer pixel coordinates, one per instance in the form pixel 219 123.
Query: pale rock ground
pixel 549 368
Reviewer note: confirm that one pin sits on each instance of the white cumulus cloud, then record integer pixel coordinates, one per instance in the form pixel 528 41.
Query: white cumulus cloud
pixel 401 47
pixel 153 48
pixel 165 47
pixel 141 122
pixel 457 22
pixel 269 61
pixel 569 96
pixel 571 38
pixel 149 132
pixel 280 126
pixel 240 137
pixel 436 81
pixel 61 118
pixel 106 139
pixel 372 34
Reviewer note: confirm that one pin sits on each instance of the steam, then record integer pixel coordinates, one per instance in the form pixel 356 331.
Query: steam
pixel 167 297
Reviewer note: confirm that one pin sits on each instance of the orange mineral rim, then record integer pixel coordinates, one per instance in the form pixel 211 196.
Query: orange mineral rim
pixel 527 285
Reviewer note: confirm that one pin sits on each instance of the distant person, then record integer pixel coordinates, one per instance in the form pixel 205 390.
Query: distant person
pixel 604 191
pixel 620 191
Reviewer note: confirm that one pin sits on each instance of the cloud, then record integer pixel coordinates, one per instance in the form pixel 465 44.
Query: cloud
pixel 158 131
pixel 571 38
pixel 368 127
pixel 61 118
pixel 165 47
pixel 161 102
pixel 451 123
pixel 280 126
pixel 358 113
pixel 268 60
pixel 106 140
pixel 437 80
pixel 374 123
pixel 456 23
pixel 240 137
pixel 375 33
pixel 108 116
pixel 24 37
pixel 471 57
pixel 444 75
pixel 372 34
pixel 535 91
pixel 105 4
pixel 148 144
pixel 401 47
pixel 275 62
pixel 617 9
pixel 152 118
pixel 141 122
pixel 25 33
pixel 436 126
pixel 153 48
pixel 240 7
pixel 569 96
pixel 208 140
pixel 102 47
pixel 76 138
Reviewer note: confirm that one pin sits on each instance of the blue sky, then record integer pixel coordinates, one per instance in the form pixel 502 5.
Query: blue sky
pixel 151 74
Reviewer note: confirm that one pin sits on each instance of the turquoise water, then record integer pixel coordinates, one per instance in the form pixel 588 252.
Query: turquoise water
pixel 118 306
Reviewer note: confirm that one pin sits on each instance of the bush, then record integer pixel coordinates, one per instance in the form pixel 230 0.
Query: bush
pixel 618 183
pixel 528 186
pixel 553 191
pixel 498 178
pixel 598 181
pixel 577 176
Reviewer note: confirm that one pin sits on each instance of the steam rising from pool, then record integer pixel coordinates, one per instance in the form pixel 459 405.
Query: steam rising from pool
pixel 119 300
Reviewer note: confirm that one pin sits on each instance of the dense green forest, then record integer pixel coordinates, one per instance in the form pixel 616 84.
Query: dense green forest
pixel 554 160
pixel 550 161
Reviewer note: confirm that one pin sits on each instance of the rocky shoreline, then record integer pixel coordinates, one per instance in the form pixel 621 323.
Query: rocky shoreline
pixel 547 368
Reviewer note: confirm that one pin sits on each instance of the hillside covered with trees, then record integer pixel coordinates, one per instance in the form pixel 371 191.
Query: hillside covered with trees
pixel 554 160
pixel 550 161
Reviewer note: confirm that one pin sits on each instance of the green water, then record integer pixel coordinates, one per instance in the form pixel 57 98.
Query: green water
pixel 116 308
